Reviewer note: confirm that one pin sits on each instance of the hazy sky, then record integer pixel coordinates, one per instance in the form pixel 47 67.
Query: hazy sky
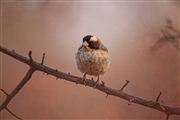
pixel 128 29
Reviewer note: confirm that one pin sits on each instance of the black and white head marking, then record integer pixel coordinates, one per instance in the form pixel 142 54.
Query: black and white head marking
pixel 94 43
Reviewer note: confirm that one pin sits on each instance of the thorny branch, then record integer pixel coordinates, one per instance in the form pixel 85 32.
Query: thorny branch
pixel 168 110
pixel 10 96
pixel 170 35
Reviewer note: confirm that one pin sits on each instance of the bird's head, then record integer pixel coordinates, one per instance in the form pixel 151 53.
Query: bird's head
pixel 92 42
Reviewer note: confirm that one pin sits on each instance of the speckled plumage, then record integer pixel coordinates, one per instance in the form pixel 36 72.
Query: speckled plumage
pixel 93 61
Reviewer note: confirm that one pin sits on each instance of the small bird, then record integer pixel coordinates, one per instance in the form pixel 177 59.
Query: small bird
pixel 92 58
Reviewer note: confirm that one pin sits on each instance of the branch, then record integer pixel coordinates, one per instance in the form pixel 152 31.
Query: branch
pixel 10 96
pixel 168 110
pixel 13 114
pixel 170 34
pixel 17 89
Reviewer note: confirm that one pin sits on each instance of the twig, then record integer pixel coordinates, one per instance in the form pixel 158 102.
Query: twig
pixel 30 57
pixel 71 78
pixel 13 114
pixel 43 57
pixel 127 82
pixel 157 99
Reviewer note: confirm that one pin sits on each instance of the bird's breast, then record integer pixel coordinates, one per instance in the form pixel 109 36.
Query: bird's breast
pixel 93 62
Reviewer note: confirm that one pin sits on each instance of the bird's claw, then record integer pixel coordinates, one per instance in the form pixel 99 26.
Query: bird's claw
pixel 83 81
pixel 96 83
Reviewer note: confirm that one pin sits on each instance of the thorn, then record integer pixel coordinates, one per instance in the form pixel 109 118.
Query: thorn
pixel 69 73
pixel 157 99
pixel 57 78
pixel 102 83
pixel 43 57
pixel 30 57
pixel 56 70
pixel 127 82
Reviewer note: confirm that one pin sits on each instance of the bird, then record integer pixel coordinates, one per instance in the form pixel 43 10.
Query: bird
pixel 92 58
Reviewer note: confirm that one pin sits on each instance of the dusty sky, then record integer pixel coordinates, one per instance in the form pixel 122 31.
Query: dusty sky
pixel 128 29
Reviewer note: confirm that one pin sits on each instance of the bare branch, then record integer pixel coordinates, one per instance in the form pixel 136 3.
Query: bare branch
pixel 170 35
pixel 13 114
pixel 75 79
pixel 15 91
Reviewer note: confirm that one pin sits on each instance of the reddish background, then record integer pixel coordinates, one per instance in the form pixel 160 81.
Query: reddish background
pixel 128 29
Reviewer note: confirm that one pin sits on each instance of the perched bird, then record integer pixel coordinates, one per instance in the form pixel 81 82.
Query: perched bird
pixel 92 57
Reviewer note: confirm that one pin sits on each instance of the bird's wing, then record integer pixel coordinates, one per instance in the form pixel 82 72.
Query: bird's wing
pixel 102 47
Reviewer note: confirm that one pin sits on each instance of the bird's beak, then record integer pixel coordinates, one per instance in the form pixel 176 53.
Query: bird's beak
pixel 85 44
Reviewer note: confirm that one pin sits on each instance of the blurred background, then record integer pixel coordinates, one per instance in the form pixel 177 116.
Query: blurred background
pixel 128 29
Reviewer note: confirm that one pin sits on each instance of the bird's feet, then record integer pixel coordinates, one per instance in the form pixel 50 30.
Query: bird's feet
pixel 97 82
pixel 84 79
